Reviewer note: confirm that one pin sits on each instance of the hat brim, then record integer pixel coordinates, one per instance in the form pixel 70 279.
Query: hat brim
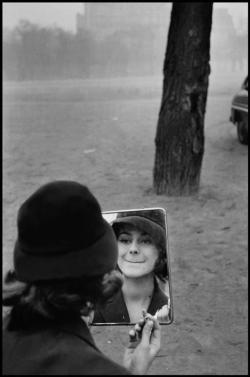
pixel 97 259
pixel 156 231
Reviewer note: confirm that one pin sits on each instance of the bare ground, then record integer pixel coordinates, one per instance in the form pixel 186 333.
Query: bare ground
pixel 102 134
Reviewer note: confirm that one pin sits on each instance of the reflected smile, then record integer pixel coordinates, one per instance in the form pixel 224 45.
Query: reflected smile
pixel 133 261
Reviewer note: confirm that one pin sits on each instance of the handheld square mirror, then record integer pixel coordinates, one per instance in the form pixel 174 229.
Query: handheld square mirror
pixel 143 261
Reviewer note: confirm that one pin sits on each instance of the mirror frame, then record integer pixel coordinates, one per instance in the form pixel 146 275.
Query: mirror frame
pixel 168 262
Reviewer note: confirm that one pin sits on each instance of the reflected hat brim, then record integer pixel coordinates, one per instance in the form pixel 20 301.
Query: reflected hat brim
pixel 97 259
pixel 156 231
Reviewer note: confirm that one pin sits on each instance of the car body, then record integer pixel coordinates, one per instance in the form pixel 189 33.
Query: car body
pixel 239 112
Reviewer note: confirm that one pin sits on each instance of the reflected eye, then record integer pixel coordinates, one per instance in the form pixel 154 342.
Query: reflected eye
pixel 123 239
pixel 147 241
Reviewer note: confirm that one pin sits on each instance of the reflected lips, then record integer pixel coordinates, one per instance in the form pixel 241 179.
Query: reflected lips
pixel 133 261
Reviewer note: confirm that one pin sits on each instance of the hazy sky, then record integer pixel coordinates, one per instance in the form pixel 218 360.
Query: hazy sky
pixel 64 14
pixel 46 14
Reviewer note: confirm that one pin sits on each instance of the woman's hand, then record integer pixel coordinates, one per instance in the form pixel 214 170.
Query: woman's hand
pixel 144 344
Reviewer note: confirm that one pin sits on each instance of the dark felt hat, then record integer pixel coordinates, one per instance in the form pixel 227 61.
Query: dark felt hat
pixel 151 221
pixel 62 234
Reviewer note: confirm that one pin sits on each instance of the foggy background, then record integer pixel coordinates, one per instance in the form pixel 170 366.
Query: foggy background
pixel 73 40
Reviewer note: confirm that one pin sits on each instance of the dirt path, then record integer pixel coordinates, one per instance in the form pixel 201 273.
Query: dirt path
pixel 107 142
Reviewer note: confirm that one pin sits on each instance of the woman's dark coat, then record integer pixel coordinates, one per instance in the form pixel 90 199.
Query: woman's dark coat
pixel 62 349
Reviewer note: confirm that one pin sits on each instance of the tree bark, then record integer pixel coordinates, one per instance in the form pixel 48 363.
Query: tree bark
pixel 179 137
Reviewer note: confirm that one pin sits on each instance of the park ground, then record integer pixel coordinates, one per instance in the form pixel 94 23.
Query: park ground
pixel 101 133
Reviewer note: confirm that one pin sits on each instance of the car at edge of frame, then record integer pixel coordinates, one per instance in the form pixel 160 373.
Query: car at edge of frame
pixel 239 112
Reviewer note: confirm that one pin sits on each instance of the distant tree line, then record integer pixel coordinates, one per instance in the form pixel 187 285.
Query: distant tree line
pixel 33 52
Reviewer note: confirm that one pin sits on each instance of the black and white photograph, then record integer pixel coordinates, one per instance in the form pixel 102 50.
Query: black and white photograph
pixel 125 188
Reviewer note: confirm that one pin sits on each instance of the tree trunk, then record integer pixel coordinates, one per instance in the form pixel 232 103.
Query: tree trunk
pixel 180 131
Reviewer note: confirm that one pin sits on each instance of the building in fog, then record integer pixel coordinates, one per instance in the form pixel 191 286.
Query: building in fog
pixel 106 18
pixel 141 27
pixel 242 24
pixel 222 26
pixel 228 44
pixel 139 32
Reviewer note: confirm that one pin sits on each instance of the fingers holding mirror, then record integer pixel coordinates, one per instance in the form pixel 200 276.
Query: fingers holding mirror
pixel 144 344
pixel 143 260
pixel 163 314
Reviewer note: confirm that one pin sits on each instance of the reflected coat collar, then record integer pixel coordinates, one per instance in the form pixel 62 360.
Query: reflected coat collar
pixel 115 311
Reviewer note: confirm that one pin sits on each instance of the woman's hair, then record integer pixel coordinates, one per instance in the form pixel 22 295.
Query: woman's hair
pixel 161 265
pixel 53 300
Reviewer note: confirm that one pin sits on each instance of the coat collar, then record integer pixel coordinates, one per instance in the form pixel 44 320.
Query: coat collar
pixel 78 328
pixel 75 326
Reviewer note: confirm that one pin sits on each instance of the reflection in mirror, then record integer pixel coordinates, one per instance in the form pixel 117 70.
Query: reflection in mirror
pixel 143 260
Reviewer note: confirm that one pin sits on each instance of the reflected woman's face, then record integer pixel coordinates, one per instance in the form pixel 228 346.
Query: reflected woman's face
pixel 137 253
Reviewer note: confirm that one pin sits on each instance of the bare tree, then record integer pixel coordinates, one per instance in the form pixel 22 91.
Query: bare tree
pixel 180 131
